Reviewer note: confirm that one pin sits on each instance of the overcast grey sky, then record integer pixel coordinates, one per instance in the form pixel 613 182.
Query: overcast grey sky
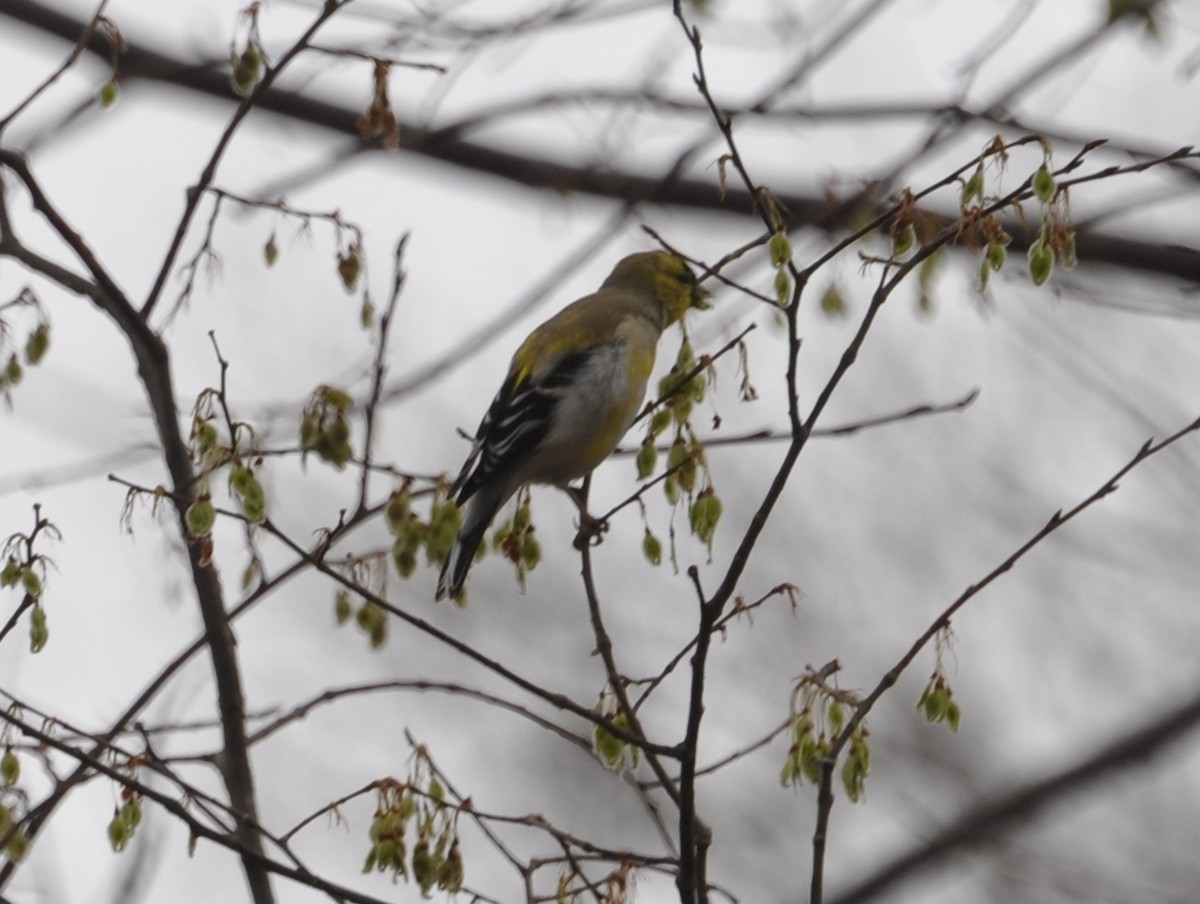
pixel 1091 634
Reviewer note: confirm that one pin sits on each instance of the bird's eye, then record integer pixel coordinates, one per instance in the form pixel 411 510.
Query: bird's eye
pixel 687 277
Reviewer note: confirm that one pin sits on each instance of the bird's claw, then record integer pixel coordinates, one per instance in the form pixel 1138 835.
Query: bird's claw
pixel 591 531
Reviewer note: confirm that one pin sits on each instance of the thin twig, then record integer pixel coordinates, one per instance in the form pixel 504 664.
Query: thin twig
pixel 379 370
pixel 197 191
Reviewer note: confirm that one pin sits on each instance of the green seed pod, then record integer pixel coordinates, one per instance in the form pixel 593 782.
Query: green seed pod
pixel 399 508
pixel 783 288
pixel 108 94
pixel 205 436
pixel 936 703
pixel 789 775
pixel 802 726
pixel 118 833
pixel 405 559
pixel 671 488
pixel 247 70
pixel 780 248
pixel 652 548
pixel 10 770
pixel 450 874
pixel 667 384
pixel 1067 256
pixel 13 372
pixel 836 714
pixel 677 454
pixel 1041 262
pixel 200 517
pixel 31 583
pixel 647 458
pixel 703 516
pixel 903 240
pixel 1043 184
pixel 324 446
pixel 39 634
pixel 424 867
pixel 240 479
pixel 685 360
pixel 271 251
pixel 254 508
pixel 310 430
pixel 853 779
pixel 501 535
pixel 131 813
pixel 339 430
pixel 375 832
pixel 17 847
pixel 996 255
pixel 11 573
pixel 859 743
pixel 253 493
pixel 680 407
pixel 364 616
pixel 660 421
pixel 985 275
pixel 810 759
pixel 378 634
pixel 953 715
pixel 342 608
pixel 349 268
pixel 686 475
pixel 37 344
pixel 522 517
pixel 608 746
pixel 338 399
pixel 832 302
pixel 973 189
pixel 531 552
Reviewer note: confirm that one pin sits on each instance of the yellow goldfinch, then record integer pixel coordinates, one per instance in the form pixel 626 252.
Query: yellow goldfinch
pixel 572 390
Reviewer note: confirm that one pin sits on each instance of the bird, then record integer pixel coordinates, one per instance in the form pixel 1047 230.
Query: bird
pixel 573 389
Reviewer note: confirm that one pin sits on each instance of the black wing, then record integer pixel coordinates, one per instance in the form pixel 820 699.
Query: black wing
pixel 518 419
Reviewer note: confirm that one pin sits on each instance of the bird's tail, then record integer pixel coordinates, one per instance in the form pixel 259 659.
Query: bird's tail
pixel 480 511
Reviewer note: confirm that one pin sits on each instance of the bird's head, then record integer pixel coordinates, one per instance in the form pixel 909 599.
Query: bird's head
pixel 667 276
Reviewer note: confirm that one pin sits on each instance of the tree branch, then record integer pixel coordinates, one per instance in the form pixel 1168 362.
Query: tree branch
pixel 814 211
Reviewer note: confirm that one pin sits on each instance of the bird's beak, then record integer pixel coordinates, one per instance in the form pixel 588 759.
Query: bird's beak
pixel 700 297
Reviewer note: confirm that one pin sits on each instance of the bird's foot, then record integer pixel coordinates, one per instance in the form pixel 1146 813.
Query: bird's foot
pixel 591 530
